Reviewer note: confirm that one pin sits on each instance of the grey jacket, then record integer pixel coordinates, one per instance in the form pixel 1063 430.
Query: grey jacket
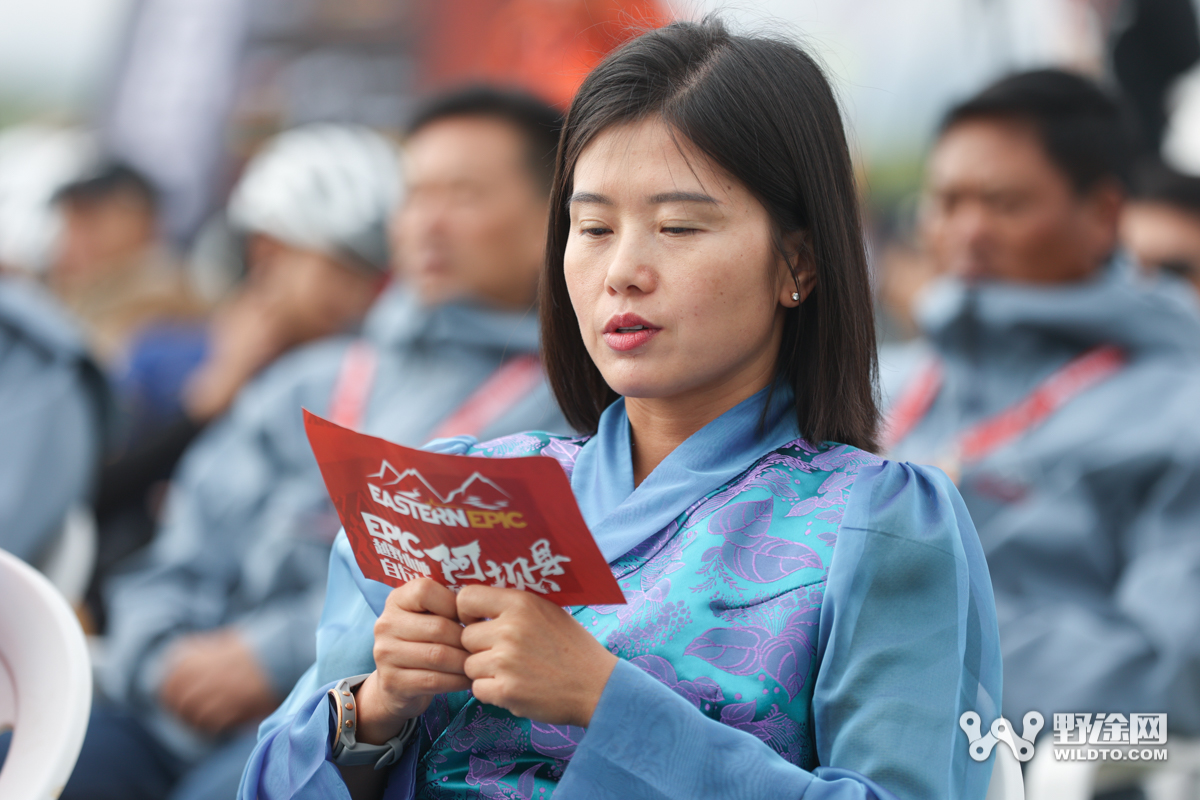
pixel 55 414
pixel 248 527
pixel 1091 520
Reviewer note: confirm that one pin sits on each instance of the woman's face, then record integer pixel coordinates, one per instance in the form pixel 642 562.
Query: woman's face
pixel 670 264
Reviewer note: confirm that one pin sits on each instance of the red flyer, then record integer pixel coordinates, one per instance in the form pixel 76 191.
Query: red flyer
pixel 507 522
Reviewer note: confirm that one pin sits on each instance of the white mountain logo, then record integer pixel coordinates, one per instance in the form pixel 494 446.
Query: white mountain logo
pixel 476 491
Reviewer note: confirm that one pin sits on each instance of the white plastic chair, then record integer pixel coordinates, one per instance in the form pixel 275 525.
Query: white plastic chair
pixel 45 683
pixel 72 558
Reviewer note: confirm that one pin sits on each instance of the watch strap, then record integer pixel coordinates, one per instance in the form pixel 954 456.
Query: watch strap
pixel 347 751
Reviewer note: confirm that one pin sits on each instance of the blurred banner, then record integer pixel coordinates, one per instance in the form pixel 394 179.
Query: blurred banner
pixel 170 102
pixel 203 81
pixel 547 46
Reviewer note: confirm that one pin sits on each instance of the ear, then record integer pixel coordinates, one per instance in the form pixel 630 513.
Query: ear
pixel 1102 216
pixel 798 272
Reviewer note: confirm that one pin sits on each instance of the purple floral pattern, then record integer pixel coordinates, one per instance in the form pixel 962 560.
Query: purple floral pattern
pixel 723 607
pixel 748 552
pixel 565 451
pixel 519 444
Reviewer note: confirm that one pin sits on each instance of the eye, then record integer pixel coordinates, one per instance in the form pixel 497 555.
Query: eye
pixel 677 231
pixel 594 230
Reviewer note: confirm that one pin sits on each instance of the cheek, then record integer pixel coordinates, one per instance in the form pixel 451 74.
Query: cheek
pixel 313 288
pixel 1041 234
pixel 730 289
pixel 579 275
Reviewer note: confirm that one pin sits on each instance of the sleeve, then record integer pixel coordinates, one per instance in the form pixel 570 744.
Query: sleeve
pixel 1134 645
pixel 291 759
pixel 907 643
pixel 52 447
pixel 280 633
pixel 672 757
pixel 908 638
pixel 244 541
pixel 183 585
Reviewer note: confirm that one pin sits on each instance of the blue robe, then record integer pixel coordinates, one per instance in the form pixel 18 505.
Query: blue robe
pixel 802 621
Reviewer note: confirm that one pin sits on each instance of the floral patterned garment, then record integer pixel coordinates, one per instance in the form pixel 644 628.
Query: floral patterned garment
pixel 722 607
pixel 802 621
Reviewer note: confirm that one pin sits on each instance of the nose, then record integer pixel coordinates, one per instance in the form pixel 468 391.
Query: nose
pixel 630 271
pixel 961 237
pixel 423 219
pixel 971 226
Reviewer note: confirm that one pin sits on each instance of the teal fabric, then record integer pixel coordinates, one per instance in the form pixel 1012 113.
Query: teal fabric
pixel 812 625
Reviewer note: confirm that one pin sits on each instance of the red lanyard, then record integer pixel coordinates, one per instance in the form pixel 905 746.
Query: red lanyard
pixel 513 380
pixel 349 401
pixel 983 438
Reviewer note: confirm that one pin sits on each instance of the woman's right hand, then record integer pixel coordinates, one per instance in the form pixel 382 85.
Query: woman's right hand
pixel 418 654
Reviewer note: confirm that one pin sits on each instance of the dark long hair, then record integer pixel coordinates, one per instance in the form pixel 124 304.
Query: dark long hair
pixel 763 110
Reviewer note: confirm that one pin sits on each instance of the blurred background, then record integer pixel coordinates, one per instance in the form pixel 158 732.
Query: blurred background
pixel 127 128
pixel 184 90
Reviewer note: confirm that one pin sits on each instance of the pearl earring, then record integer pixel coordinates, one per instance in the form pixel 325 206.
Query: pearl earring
pixel 795 295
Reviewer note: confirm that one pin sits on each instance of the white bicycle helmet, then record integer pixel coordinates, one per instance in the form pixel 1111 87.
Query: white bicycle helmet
pixel 35 162
pixel 324 187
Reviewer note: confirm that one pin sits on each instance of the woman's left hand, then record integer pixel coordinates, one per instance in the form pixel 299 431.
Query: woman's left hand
pixel 531 657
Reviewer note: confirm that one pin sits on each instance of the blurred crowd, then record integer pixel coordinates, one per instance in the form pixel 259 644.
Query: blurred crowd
pixel 1041 295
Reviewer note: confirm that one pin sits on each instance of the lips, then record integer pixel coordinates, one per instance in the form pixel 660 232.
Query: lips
pixel 625 332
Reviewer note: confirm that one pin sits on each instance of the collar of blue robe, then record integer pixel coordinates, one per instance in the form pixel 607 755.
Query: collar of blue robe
pixel 622 517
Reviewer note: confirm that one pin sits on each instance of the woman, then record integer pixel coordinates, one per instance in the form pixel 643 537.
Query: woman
pixel 803 618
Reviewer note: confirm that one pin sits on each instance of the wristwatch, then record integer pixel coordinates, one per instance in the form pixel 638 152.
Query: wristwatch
pixel 349 752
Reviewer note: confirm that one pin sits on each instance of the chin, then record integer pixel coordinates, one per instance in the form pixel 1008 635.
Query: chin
pixel 433 292
pixel 640 383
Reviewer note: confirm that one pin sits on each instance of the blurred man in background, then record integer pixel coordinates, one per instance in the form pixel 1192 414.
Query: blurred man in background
pixel 1161 223
pixel 112 270
pixel 1060 393
pixel 54 419
pixel 213 630
pixel 311 210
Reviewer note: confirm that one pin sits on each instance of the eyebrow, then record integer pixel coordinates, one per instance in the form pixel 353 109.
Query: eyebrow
pixel 682 197
pixel 654 200
pixel 589 197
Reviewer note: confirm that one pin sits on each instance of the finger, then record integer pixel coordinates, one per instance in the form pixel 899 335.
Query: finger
pixel 491 691
pixel 415 627
pixel 476 602
pixel 481 665
pixel 209 715
pixel 169 688
pixel 189 707
pixel 195 693
pixel 169 697
pixel 218 719
pixel 480 636
pixel 179 682
pixel 425 683
pixel 420 655
pixel 425 595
